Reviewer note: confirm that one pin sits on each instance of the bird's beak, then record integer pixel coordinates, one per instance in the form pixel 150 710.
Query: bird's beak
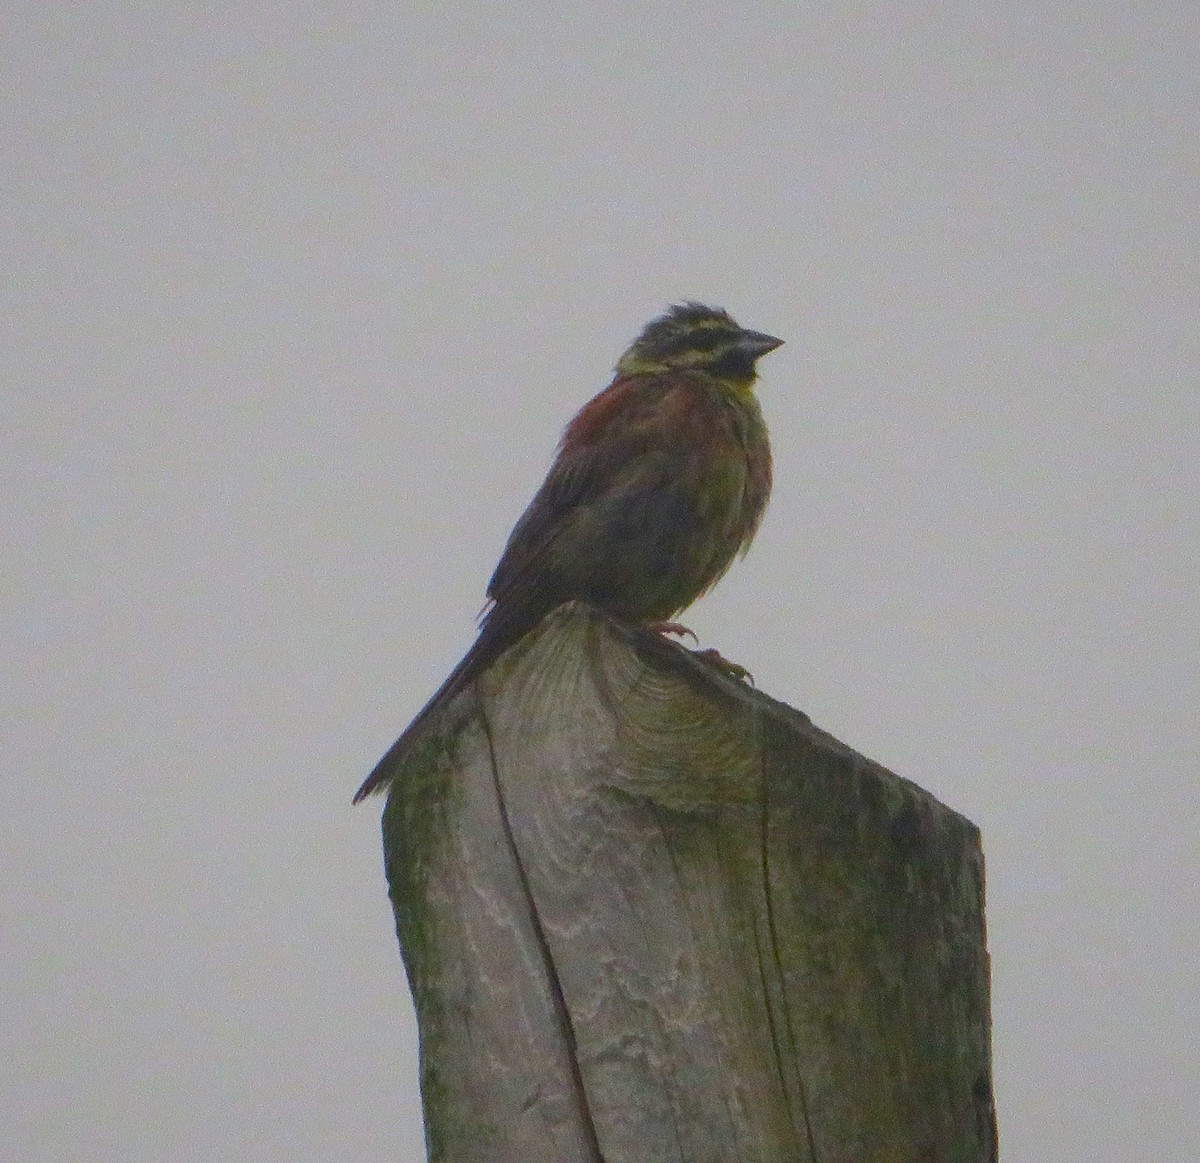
pixel 754 343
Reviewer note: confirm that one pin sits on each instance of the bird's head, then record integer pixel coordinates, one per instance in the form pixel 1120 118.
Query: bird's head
pixel 692 337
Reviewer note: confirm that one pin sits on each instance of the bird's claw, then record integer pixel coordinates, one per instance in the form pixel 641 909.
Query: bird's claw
pixel 734 669
pixel 711 655
pixel 676 628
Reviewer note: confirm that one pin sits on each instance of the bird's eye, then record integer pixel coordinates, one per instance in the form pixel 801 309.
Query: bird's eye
pixel 699 342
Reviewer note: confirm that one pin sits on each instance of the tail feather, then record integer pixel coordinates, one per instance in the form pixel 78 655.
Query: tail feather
pixel 499 631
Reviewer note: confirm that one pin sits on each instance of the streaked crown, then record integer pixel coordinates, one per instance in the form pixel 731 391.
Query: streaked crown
pixel 693 337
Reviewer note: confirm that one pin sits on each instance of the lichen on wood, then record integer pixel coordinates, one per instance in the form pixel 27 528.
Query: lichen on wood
pixel 649 914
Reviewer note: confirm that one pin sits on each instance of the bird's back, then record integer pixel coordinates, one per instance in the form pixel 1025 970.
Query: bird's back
pixel 659 482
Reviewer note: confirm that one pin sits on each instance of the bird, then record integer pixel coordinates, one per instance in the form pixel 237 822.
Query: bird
pixel 659 482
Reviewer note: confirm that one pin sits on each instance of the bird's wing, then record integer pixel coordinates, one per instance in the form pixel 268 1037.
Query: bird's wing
pixel 599 446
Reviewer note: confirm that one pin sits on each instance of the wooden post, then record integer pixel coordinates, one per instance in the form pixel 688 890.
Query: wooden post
pixel 649 914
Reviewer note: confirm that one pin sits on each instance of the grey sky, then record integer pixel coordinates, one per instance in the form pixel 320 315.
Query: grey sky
pixel 296 304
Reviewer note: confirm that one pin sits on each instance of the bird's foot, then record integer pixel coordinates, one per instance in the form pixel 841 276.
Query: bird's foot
pixel 734 669
pixel 712 656
pixel 676 628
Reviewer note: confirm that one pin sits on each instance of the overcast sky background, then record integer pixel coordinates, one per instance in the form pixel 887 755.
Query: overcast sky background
pixel 296 302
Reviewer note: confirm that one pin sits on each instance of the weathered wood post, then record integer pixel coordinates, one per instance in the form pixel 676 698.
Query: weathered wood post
pixel 649 914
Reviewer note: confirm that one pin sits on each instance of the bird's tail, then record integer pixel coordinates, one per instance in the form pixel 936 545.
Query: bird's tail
pixel 498 632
